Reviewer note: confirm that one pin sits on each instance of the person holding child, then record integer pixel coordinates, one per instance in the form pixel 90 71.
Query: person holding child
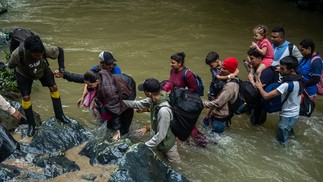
pixel 219 114
pixel 290 109
pixel 213 60
pixel 264 47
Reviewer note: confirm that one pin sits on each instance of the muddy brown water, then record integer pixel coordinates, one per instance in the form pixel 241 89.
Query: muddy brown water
pixel 142 35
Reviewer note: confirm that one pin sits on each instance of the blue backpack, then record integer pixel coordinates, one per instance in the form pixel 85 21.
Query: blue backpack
pixel 199 83
pixel 275 104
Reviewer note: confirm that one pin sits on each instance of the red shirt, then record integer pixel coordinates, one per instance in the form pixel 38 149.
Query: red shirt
pixel 176 79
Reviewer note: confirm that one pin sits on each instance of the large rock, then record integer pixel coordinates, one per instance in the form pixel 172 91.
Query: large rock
pixel 54 137
pixel 8 172
pixel 142 164
pixel 104 152
pixel 55 166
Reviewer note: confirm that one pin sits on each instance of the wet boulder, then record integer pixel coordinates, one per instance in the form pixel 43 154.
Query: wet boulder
pixel 55 166
pixel 103 151
pixel 54 136
pixel 8 172
pixel 142 164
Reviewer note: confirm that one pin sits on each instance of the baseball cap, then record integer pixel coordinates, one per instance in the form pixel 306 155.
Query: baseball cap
pixel 150 85
pixel 106 57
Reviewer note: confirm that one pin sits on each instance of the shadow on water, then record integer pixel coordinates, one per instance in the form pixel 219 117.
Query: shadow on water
pixel 143 34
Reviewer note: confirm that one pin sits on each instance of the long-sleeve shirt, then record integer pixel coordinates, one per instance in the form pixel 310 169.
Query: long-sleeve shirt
pixel 34 69
pixel 220 106
pixel 5 105
pixel 163 118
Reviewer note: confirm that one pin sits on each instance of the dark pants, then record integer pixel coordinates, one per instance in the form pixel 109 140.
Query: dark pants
pixel 25 84
pixel 126 119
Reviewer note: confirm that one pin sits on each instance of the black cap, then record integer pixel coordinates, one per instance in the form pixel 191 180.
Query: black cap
pixel 107 57
pixel 150 85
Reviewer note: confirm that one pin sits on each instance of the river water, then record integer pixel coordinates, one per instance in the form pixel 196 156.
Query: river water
pixel 143 34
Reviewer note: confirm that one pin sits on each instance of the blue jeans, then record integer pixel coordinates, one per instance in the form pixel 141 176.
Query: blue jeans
pixel 218 125
pixel 284 128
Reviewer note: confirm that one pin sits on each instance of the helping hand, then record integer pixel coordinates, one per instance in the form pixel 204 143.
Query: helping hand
pixel 141 131
pixel 116 135
pixel 58 74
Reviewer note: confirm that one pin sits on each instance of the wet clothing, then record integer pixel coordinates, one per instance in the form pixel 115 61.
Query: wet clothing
pixel 162 137
pixel 290 109
pixel 176 78
pixel 311 72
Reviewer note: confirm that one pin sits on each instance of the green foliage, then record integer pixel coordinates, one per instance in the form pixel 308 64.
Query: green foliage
pixel 7 77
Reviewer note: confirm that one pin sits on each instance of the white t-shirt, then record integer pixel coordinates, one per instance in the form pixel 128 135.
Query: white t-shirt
pixel 292 105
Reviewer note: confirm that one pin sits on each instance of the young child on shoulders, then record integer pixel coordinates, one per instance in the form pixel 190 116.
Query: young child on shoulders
pixel 264 47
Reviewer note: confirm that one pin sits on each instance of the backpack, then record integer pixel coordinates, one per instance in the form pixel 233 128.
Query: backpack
pixel 307 105
pixel 199 83
pixel 186 107
pixel 18 36
pixel 248 97
pixel 320 83
pixel 123 87
pixel 275 104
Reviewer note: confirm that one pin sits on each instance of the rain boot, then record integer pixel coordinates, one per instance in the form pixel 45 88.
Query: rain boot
pixel 31 121
pixel 57 105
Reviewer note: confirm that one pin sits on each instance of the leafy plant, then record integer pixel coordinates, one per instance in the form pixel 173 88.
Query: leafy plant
pixel 7 76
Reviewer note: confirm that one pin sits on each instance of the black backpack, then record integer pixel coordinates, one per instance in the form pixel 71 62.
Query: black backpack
pixel 186 107
pixel 248 97
pixel 18 36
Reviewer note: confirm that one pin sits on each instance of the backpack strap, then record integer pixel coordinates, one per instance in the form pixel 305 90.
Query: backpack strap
pixel 184 75
pixel 315 57
pixel 290 89
pixel 21 53
pixel 290 48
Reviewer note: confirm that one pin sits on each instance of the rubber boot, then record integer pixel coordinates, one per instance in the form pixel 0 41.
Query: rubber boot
pixel 31 121
pixel 57 105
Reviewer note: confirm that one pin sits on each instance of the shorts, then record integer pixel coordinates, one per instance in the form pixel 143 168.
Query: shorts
pixel 267 62
pixel 25 84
